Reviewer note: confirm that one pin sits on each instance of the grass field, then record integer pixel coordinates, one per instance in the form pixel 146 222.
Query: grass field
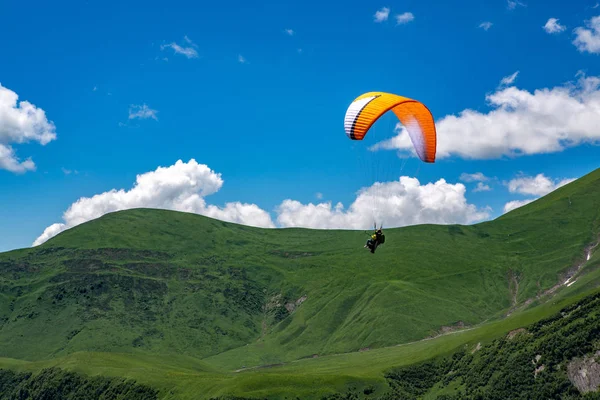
pixel 181 301
pixel 180 377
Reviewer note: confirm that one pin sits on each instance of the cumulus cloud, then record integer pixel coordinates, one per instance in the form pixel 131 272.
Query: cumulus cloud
pixel 399 203
pixel 404 18
pixel 180 187
pixel 476 177
pixel 539 185
pixel 520 123
pixel 142 112
pixel 485 25
pixel 588 39
pixel 512 205
pixel 21 122
pixel 188 50
pixel 10 162
pixel 382 14
pixel 552 26
pixel 184 187
pixel 289 32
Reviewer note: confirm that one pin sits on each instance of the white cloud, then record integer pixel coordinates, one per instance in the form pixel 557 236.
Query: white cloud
pixel 511 205
pixel 509 80
pixel 242 59
pixel 21 122
pixel 482 187
pixel 184 186
pixel 142 112
pixel 319 195
pixel 588 39
pixel 512 4
pixel 382 14
pixel 476 177
pixel 10 162
pixel 95 88
pixel 289 32
pixel 399 203
pixel 520 123
pixel 552 26
pixel 404 18
pixel 486 25
pixel 188 51
pixel 539 185
pixel 180 187
pixel 50 232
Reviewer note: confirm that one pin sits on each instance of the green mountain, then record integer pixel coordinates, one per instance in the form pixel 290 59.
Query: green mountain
pixel 180 301
pixel 555 358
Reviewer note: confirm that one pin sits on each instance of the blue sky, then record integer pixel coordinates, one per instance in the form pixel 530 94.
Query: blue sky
pixel 258 93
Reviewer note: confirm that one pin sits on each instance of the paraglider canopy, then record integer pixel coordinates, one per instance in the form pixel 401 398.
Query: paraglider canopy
pixel 360 119
pixel 366 109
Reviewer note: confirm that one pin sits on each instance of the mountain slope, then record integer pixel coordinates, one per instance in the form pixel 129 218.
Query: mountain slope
pixel 184 378
pixel 163 282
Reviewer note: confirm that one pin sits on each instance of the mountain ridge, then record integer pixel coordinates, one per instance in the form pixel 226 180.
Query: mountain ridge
pixel 159 283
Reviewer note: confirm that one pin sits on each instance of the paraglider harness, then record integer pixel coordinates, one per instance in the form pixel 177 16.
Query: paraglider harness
pixel 376 239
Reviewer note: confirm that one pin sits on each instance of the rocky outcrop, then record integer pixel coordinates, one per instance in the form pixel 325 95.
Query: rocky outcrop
pixel 584 373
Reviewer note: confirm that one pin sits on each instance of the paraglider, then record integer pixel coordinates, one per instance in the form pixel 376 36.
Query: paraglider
pixel 366 109
pixel 376 239
pixel 416 118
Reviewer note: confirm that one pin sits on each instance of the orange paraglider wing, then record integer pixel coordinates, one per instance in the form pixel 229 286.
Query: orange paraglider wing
pixel 416 118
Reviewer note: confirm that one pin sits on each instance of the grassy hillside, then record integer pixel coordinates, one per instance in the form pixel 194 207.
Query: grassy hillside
pixel 167 285
pixel 553 358
pixel 312 378
pixel 54 383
